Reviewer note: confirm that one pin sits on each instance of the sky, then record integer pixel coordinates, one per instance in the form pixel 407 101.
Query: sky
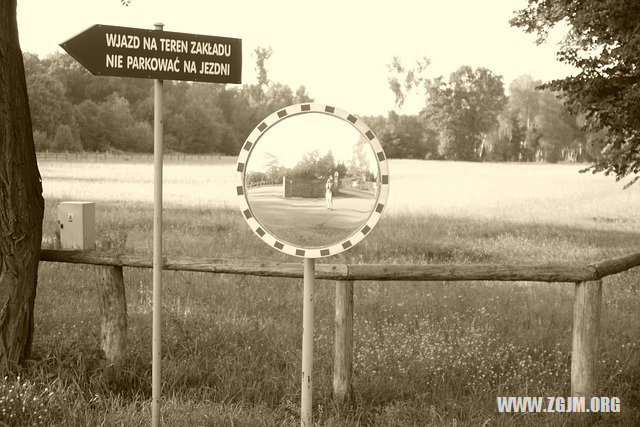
pixel 337 49
pixel 289 141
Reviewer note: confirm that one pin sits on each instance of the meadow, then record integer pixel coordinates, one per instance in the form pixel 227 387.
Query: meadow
pixel 424 353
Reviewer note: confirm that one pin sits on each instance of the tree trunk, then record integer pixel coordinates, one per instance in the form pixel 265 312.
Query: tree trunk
pixel 21 203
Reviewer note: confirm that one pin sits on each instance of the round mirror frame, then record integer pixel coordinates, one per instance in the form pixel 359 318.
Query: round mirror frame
pixel 354 238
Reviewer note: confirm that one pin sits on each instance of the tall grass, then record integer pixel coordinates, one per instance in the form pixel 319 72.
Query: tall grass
pixel 425 353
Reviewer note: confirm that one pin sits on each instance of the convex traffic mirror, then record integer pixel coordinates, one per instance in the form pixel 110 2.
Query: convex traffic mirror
pixel 313 180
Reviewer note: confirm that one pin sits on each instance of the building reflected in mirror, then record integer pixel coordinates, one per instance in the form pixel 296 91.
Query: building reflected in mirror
pixel 312 180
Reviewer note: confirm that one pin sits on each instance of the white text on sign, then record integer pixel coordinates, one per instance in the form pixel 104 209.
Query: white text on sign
pixel 163 64
pixel 161 44
pixel 168 45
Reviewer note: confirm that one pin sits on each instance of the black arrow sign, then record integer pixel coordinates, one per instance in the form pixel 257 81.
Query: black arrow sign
pixel 107 50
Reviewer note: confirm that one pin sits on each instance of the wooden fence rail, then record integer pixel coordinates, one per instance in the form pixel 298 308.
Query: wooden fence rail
pixel 566 273
pixel 586 309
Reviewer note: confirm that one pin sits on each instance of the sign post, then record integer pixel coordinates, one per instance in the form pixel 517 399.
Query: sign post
pixel 107 50
pixel 156 343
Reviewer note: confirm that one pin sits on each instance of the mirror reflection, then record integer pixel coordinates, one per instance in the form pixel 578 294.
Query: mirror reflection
pixel 312 180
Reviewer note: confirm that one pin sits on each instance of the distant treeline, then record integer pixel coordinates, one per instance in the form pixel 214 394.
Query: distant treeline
pixel 470 117
pixel 72 110
pixel 313 166
pixel 467 117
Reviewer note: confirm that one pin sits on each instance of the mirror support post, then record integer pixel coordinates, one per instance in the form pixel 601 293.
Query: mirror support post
pixel 306 412
pixel 315 228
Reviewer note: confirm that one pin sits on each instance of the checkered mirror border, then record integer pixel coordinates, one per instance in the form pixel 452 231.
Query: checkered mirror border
pixel 283 245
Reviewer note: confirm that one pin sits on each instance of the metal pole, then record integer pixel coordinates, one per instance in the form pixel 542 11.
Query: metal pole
pixel 306 412
pixel 156 384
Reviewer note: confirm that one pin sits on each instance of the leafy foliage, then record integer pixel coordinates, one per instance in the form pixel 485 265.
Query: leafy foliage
pixel 109 113
pixel 463 110
pixel 465 118
pixel 602 42
pixel 41 141
pixel 48 102
pixel 536 126
pixel 65 141
pixel 411 78
pixel 314 166
pixel 406 137
pixel 469 117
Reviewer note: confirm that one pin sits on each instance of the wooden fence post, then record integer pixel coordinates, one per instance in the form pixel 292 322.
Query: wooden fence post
pixel 113 313
pixel 343 343
pixel 586 324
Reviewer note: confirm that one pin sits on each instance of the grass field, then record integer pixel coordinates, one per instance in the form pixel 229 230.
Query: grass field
pixel 425 353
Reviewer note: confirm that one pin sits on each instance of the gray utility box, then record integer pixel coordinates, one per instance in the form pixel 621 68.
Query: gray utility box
pixel 77 225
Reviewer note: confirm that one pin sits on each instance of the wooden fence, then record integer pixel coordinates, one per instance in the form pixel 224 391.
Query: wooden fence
pixel 586 306
pixel 118 156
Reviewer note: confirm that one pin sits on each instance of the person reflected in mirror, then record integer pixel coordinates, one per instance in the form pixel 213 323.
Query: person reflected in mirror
pixel 329 193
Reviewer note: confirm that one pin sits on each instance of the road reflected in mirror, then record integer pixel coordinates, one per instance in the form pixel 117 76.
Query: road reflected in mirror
pixel 312 180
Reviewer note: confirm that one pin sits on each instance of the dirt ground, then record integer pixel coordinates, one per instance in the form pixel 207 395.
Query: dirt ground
pixel 306 221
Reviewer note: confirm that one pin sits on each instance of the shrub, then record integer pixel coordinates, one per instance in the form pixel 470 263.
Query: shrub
pixel 65 141
pixel 41 140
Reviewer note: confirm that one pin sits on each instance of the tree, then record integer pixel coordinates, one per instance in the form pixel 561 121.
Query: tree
pixel 535 125
pixel 32 64
pixel 314 166
pixel 65 141
pixel 525 103
pixel 411 78
pixel 236 112
pixel 195 120
pixel 257 91
pixel 79 84
pixel 464 110
pixel 141 137
pixel 275 174
pixel 196 130
pixel 110 125
pixel 326 166
pixel 602 42
pixel 22 208
pixel 506 140
pixel 116 118
pixel 48 103
pixel 406 137
pixel 517 137
pixel 264 97
pixel 359 165
pixel 560 136
pixel 41 141
pixel 110 113
pixel 93 132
